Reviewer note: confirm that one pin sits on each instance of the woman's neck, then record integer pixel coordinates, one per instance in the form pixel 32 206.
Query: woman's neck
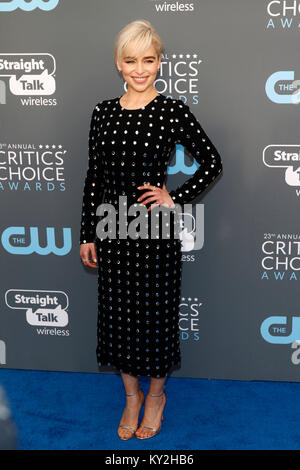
pixel 133 98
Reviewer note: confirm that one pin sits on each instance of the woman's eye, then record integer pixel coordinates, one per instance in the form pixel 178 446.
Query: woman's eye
pixel 130 61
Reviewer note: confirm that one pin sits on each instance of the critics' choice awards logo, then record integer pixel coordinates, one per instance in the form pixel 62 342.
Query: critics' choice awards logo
pixel 179 76
pixel 281 257
pixel 283 14
pixel 282 330
pixel 30 167
pixel 286 157
pixel 28 5
pixel 18 241
pixel 189 313
pixel 282 88
pixel 28 75
pixel 43 308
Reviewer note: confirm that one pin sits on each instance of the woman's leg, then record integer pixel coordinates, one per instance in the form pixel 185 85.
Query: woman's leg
pixel 153 406
pixel 130 382
pixel 133 404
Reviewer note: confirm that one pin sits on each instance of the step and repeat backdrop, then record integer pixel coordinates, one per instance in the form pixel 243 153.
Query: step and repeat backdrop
pixel 235 63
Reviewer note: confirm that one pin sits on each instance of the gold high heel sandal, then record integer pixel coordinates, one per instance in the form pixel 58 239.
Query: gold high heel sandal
pixel 130 427
pixel 156 431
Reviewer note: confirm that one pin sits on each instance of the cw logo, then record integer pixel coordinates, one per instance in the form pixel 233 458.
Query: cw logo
pixel 28 5
pixel 275 79
pixel 273 328
pixel 180 163
pixel 33 246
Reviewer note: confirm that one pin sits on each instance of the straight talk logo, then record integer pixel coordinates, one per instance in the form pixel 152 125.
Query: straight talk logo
pixel 285 157
pixel 29 75
pixel 43 309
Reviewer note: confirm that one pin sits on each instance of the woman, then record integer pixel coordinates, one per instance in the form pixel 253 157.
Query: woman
pixel 131 141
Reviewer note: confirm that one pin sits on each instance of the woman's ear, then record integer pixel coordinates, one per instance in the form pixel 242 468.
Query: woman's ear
pixel 159 61
pixel 118 65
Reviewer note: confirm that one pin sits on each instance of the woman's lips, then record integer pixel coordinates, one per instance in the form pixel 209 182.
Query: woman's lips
pixel 140 80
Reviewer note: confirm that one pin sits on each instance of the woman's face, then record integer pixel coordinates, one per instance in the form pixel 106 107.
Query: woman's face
pixel 139 71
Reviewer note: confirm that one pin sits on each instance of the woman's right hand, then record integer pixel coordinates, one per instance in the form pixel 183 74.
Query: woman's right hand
pixel 87 249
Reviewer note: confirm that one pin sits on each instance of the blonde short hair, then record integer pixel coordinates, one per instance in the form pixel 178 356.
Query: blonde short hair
pixel 143 35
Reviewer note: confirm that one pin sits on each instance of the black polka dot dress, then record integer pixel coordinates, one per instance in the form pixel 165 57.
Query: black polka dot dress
pixel 139 277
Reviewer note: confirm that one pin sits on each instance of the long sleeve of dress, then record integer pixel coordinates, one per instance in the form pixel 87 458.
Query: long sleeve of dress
pixel 190 134
pixel 94 182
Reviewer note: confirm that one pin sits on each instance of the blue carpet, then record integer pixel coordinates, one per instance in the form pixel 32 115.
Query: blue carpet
pixel 66 410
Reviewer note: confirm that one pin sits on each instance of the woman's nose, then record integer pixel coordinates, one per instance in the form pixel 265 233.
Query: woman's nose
pixel 139 68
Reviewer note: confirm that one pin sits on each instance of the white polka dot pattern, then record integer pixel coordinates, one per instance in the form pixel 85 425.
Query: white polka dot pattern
pixel 139 288
pixel 94 183
pixel 139 280
pixel 189 133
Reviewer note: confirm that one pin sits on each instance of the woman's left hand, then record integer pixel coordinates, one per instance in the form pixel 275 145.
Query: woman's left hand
pixel 159 195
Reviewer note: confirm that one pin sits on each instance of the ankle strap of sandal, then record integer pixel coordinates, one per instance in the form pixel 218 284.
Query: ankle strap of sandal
pixel 151 394
pixel 130 394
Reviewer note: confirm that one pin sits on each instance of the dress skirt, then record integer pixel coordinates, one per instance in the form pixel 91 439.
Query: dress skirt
pixel 138 305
